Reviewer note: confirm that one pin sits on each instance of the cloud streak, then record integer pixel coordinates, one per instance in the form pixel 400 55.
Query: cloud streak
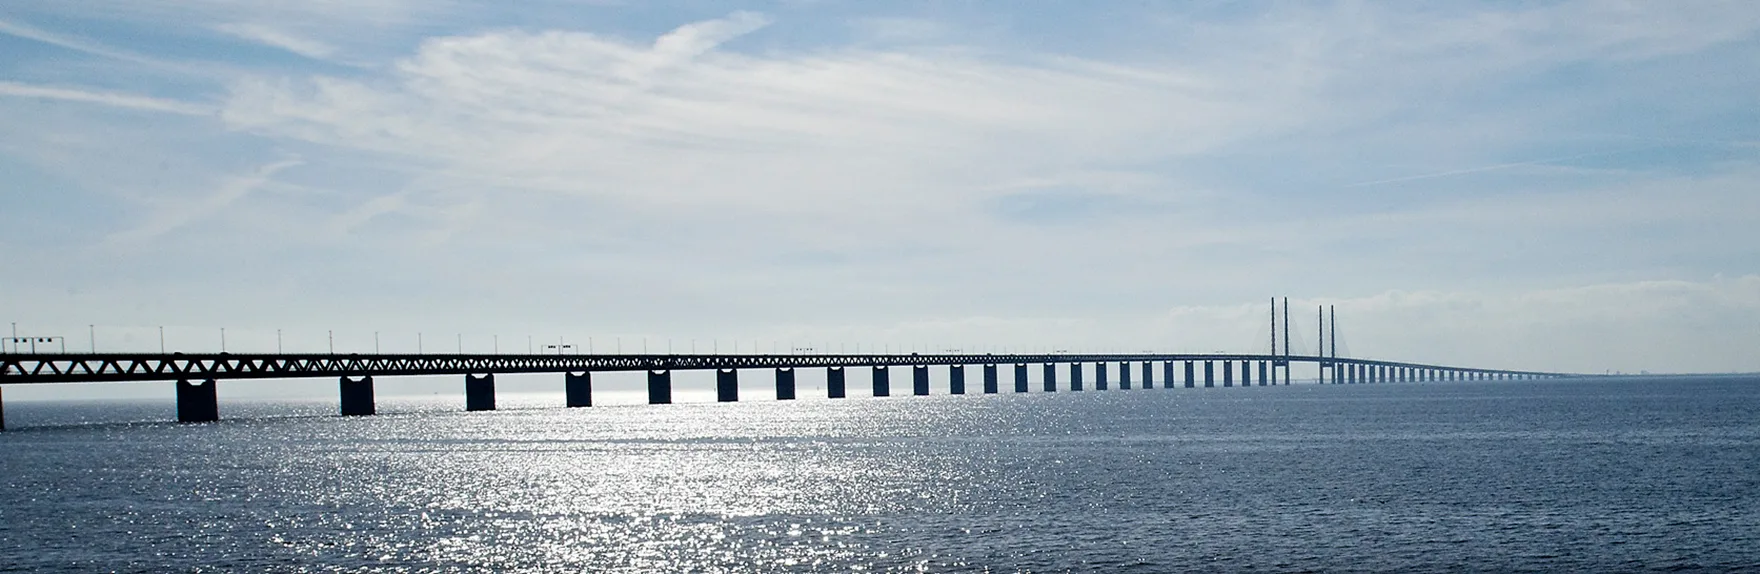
pixel 75 44
pixel 110 99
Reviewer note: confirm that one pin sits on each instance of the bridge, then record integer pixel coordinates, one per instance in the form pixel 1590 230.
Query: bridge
pixel 197 375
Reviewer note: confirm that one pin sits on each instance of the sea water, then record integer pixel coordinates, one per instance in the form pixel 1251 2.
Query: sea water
pixel 1574 475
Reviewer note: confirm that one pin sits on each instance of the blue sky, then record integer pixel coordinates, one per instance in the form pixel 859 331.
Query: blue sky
pixel 1552 185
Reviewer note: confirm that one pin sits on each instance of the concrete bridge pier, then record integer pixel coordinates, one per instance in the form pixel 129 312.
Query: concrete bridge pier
pixel 1148 374
pixel 1209 374
pixel 1191 381
pixel 1124 375
pixel 660 387
pixel 836 386
pixel 479 392
pixel 956 379
pixel 919 380
pixel 785 384
pixel 579 389
pixel 727 385
pixel 1075 376
pixel 1246 373
pixel 882 383
pixel 1100 376
pixel 1167 374
pixel 1020 377
pixel 1050 377
pixel 1264 374
pixel 197 401
pixel 357 396
pixel 1228 373
pixel 990 379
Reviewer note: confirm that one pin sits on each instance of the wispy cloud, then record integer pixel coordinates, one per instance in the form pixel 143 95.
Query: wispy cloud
pixel 173 216
pixel 73 43
pixel 271 36
pixel 127 101
pixel 1486 168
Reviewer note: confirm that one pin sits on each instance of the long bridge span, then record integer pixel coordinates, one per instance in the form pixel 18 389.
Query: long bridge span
pixel 197 375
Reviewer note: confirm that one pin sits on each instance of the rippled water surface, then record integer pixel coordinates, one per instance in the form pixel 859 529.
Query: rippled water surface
pixel 1611 475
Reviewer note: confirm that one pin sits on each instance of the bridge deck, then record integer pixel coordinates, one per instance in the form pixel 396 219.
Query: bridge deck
pixel 129 367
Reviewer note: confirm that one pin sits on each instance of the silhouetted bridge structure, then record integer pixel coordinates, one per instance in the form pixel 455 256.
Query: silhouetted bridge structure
pixel 197 375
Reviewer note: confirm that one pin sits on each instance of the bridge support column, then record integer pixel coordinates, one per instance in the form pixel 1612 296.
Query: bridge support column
pixel 785 385
pixel 956 379
pixel 1191 380
pixel 1050 377
pixel 2 414
pixel 1209 374
pixel 1264 374
pixel 197 401
pixel 659 387
pixel 1167 374
pixel 1124 375
pixel 1100 382
pixel 1381 373
pixel 1020 377
pixel 882 383
pixel 579 389
pixel 1075 376
pixel 990 379
pixel 357 396
pixel 1148 374
pixel 1228 373
pixel 1246 373
pixel 919 380
pixel 727 385
pixel 479 392
pixel 836 387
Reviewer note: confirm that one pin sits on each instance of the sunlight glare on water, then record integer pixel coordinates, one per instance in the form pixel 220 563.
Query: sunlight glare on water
pixel 1489 477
